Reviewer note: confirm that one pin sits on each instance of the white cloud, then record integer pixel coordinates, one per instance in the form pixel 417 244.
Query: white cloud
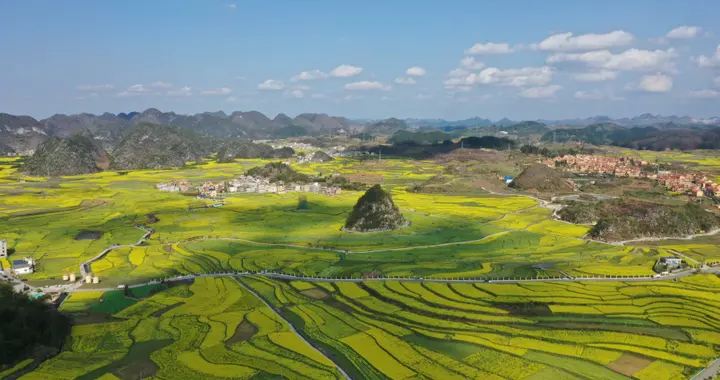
pixel 240 77
pixel 596 76
pixel 367 85
pixel 298 94
pixel 144 89
pixel 592 95
pixel 271 84
pixel 423 96
pixel 216 91
pixel 705 94
pixel 596 95
pixel 527 76
pixel 231 99
pixel 95 87
pixel 317 96
pixel 469 63
pixel 402 80
pixel 542 92
pixel 566 41
pixel 345 71
pixel 342 71
pixel 489 48
pixel 185 91
pixel 302 87
pixel 717 81
pixel 629 60
pixel 231 6
pixel 652 83
pixel 349 98
pixel 137 88
pixel 310 75
pixel 712 61
pixel 459 72
pixel 684 32
pixel 415 71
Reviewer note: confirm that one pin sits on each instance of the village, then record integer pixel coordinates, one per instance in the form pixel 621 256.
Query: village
pixel 693 184
pixel 245 184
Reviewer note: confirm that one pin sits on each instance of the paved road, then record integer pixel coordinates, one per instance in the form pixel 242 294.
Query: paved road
pixel 84 267
pixel 463 280
pixel 292 328
pixel 710 372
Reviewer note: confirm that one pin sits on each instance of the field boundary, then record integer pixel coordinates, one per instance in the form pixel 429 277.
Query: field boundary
pixel 292 328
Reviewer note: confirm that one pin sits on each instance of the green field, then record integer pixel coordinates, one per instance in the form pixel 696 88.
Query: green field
pixel 214 328
pixel 460 235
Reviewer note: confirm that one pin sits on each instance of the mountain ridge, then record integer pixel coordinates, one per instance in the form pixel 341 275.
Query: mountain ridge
pixel 22 134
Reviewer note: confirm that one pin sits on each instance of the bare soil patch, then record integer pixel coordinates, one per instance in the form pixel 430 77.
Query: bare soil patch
pixel 317 294
pixel 243 332
pixel 365 178
pixel 89 235
pixel 629 364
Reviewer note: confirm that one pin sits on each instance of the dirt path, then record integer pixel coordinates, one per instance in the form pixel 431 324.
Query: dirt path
pixel 688 237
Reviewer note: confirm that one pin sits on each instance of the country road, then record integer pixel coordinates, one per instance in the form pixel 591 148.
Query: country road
pixel 710 372
pixel 449 280
pixel 85 266
pixel 292 328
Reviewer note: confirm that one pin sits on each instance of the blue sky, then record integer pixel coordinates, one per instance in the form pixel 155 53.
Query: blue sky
pixel 449 59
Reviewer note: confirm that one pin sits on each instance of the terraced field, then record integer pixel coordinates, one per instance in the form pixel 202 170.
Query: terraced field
pixel 63 222
pixel 216 329
pixel 530 331
pixel 212 329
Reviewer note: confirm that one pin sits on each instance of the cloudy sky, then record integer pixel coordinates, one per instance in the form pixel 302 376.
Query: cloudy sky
pixel 450 59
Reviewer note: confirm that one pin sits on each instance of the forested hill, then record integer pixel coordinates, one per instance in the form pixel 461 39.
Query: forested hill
pixel 29 329
pixel 651 138
pixel 150 146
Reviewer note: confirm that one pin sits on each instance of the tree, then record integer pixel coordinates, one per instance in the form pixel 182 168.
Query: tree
pixel 28 328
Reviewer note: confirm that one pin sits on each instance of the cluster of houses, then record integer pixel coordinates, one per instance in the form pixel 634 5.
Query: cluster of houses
pixel 181 186
pixel 294 145
pixel 693 184
pixel 617 166
pixel 248 184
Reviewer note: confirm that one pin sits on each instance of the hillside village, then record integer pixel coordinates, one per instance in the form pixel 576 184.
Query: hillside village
pixel 246 184
pixel 693 184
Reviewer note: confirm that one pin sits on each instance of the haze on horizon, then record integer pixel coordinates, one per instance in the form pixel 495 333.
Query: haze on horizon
pixel 452 60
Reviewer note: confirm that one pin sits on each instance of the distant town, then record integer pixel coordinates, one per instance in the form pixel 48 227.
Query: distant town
pixel 693 184
pixel 245 184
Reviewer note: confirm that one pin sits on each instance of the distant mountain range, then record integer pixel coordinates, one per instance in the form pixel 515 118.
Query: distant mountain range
pixel 642 120
pixel 23 134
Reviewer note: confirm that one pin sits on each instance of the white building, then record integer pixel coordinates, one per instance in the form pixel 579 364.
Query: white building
pixel 672 261
pixel 3 249
pixel 24 266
